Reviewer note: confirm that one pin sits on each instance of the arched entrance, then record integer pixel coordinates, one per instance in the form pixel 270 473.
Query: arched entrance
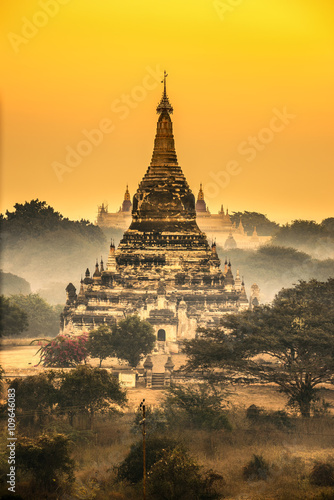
pixel 162 335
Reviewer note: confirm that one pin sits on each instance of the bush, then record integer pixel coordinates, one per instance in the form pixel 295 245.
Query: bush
pixel 35 397
pixel 64 351
pixel 322 474
pixel 177 477
pixel 47 458
pixel 201 406
pixel 88 391
pixel 131 469
pixel 256 469
pixel 257 415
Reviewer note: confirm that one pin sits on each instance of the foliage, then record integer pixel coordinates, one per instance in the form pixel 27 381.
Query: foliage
pixel 298 231
pixel 201 406
pixel 308 236
pixel 264 226
pixel 47 458
pixel 34 217
pixel 49 249
pixel 13 319
pixel 322 474
pixel 257 415
pixel 176 476
pixel 64 351
pixel 87 390
pixel 12 284
pixel 133 339
pixel 100 343
pixel 273 267
pixel 296 332
pixel 43 319
pixel 35 396
pixel 131 469
pixel 256 469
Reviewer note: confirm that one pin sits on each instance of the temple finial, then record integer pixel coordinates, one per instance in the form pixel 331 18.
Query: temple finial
pixel 164 82
pixel 164 104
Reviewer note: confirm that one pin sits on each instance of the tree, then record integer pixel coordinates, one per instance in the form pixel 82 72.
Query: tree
pixel 101 343
pixel 64 351
pixel 298 232
pixel 35 396
pixel 13 319
pixel 34 235
pixel 131 469
pixel 328 224
pixel 176 476
pixel 133 339
pixel 296 332
pixel 47 458
pixel 264 226
pixel 89 391
pixel 43 319
pixel 201 406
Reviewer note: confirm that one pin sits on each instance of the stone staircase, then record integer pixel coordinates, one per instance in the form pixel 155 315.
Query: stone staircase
pixel 158 380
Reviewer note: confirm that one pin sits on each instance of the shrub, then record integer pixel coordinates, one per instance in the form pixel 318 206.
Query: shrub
pixel 131 469
pixel 35 397
pixel 47 458
pixel 175 476
pixel 64 351
pixel 256 469
pixel 322 474
pixel 258 415
pixel 201 406
pixel 88 391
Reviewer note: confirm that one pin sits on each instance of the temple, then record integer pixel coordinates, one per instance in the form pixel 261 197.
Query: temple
pixel 164 269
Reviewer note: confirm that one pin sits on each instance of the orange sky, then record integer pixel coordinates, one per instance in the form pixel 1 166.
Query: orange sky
pixel 234 67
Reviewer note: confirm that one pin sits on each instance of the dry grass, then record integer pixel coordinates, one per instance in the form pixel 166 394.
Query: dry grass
pixel 290 453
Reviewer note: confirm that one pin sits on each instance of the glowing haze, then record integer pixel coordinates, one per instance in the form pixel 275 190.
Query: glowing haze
pixel 251 83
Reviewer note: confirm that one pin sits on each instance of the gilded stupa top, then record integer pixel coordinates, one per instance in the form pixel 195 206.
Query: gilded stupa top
pixel 164 104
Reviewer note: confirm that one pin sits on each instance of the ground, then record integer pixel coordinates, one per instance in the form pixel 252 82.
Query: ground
pixel 22 360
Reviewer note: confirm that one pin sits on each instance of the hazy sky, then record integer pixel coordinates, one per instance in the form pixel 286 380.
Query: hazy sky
pixel 251 82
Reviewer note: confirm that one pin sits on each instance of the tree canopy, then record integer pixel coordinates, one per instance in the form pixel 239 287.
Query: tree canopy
pixel 13 319
pixel 308 236
pixel 101 343
pixel 289 343
pixel 133 339
pixel 264 226
pixel 49 249
pixel 43 319
pixel 89 390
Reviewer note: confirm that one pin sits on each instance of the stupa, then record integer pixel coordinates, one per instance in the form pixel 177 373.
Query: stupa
pixel 164 268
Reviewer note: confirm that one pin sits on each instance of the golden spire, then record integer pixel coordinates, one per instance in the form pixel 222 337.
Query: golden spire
pixel 200 193
pixel 164 104
pixel 127 194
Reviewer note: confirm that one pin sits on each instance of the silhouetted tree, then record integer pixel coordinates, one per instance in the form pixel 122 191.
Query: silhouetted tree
pixel 264 226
